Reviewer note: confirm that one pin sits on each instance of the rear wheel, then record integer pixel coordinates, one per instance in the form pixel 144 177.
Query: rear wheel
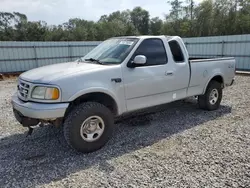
pixel 88 127
pixel 212 98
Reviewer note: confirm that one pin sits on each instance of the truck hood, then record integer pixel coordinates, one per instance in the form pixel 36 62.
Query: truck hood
pixel 49 73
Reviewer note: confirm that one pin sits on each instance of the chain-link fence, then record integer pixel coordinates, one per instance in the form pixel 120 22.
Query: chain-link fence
pixel 22 56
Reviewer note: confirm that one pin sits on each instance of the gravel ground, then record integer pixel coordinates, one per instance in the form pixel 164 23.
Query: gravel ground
pixel 180 146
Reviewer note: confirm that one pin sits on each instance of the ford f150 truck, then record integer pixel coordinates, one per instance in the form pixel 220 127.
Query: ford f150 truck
pixel 120 76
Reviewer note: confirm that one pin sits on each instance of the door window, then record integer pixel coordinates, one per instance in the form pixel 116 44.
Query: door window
pixel 154 51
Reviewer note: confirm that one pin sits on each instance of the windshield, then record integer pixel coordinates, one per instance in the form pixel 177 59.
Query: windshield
pixel 111 51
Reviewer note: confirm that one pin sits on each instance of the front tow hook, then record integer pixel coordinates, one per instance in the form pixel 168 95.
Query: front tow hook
pixel 30 131
pixel 31 128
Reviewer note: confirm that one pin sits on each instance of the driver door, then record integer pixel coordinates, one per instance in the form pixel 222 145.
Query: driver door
pixel 149 84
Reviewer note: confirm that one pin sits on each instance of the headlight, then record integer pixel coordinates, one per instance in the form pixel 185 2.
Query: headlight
pixel 48 93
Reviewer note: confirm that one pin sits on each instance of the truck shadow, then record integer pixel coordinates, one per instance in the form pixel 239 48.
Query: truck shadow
pixel 44 157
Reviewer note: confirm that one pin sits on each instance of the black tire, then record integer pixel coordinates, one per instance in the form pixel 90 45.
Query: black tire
pixel 203 100
pixel 74 120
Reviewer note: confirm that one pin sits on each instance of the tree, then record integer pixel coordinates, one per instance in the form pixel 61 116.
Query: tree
pixel 204 18
pixel 6 20
pixel 210 17
pixel 244 16
pixel 175 15
pixel 116 24
pixel 189 11
pixel 140 19
pixel 175 12
pixel 156 26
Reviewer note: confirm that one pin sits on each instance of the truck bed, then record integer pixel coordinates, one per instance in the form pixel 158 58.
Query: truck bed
pixel 203 69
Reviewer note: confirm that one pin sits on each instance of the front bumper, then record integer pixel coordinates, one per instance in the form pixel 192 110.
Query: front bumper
pixel 38 111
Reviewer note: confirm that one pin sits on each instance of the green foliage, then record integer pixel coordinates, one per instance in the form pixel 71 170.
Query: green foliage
pixel 156 26
pixel 140 19
pixel 186 19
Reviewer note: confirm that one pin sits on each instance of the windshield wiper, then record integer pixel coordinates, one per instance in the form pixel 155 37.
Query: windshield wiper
pixel 94 60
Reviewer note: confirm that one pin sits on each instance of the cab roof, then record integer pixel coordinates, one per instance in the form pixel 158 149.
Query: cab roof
pixel 147 36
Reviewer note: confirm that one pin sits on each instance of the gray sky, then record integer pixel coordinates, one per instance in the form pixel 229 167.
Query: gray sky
pixel 59 11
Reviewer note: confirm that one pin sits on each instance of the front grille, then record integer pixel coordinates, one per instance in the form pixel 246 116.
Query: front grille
pixel 23 89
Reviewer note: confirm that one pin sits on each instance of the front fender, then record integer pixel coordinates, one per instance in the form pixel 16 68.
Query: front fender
pixel 95 90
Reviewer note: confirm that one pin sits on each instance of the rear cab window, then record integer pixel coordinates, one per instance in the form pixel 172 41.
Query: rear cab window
pixel 176 51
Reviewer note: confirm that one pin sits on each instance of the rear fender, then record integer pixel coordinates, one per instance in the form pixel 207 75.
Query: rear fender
pixel 212 78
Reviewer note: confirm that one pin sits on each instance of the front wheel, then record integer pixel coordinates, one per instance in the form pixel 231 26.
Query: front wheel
pixel 88 127
pixel 212 98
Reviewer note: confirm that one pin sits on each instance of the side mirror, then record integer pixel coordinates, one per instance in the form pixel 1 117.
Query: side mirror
pixel 140 60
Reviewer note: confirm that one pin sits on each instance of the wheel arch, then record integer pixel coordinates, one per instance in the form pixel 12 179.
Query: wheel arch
pixel 95 96
pixel 217 77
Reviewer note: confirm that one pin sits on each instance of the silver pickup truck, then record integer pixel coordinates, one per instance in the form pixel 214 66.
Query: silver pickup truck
pixel 120 76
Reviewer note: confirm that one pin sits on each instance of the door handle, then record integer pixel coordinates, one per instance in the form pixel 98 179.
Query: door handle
pixel 169 73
